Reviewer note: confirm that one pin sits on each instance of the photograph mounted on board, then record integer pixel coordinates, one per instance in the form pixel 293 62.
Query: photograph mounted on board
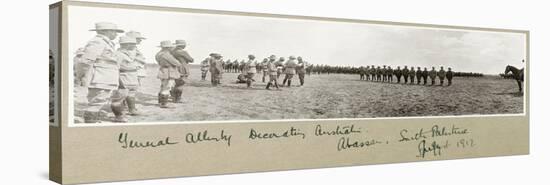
pixel 137 66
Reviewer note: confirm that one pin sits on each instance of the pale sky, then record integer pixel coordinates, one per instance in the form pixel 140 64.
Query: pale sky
pixel 318 42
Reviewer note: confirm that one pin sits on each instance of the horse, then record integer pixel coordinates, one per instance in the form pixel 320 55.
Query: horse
pixel 517 74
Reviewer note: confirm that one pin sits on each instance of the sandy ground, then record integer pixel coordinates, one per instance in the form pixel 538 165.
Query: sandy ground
pixel 323 96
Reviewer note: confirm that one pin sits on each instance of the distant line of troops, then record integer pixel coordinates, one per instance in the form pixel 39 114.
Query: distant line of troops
pixel 386 74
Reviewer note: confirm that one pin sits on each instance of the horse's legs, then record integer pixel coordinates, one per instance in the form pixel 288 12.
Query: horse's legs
pixel 519 85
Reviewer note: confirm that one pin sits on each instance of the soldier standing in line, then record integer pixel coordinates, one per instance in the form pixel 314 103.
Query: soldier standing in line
pixel 272 69
pixel 398 72
pixel 372 73
pixel 129 77
pixel 418 75
pixel 449 74
pixel 168 71
pixel 412 73
pixel 102 89
pixel 264 69
pixel 185 59
pixel 384 73
pixel 235 66
pixel 205 65
pixel 378 74
pixel 362 73
pixel 250 69
pixel 441 75
pixel 389 73
pixel 215 68
pixel 280 67
pixel 367 73
pixel 290 66
pixel 142 73
pixel 301 70
pixel 241 67
pixel 425 74
pixel 433 75
pixel 405 73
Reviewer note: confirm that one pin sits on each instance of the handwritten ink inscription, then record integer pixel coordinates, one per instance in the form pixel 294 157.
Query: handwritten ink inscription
pixel 424 142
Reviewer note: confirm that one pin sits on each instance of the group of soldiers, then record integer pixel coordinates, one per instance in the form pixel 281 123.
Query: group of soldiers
pixel 113 76
pixel 386 74
pixel 270 68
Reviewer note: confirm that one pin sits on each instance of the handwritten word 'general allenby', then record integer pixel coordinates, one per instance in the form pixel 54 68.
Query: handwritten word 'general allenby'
pixel 128 143
pixel 291 132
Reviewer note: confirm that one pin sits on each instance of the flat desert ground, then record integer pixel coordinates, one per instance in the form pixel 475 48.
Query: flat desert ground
pixel 322 97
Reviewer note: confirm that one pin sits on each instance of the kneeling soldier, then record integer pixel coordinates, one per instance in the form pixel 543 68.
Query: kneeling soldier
pixel 168 71
pixel 441 75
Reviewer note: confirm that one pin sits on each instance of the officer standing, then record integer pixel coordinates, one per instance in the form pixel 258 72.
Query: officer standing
pixel 378 74
pixel 280 65
pixel 290 66
pixel 264 69
pixel 216 69
pixel 433 75
pixel 168 71
pixel 384 73
pixel 129 66
pixel 449 74
pixel 301 70
pixel 142 73
pixel 372 73
pixel 184 59
pixel 250 70
pixel 389 74
pixel 100 53
pixel 367 73
pixel 441 75
pixel 205 65
pixel 272 69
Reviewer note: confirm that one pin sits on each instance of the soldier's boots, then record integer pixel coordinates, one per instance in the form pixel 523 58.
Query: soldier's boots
pixel 132 110
pixel 268 85
pixel 163 100
pixel 118 110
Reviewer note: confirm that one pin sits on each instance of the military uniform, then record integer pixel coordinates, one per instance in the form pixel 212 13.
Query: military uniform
pixel 216 69
pixel 449 74
pixel 384 74
pixel 441 75
pixel 264 69
pixel 104 82
pixel 405 73
pixel 272 69
pixel 398 72
pixel 129 77
pixel 433 75
pixel 250 70
pixel 301 70
pixel 378 74
pixel 184 59
pixel 290 66
pixel 425 74
pixel 168 71
pixel 418 75
pixel 367 73
pixel 139 57
pixel 389 74
pixel 372 73
pixel 361 73
pixel 205 65
pixel 412 73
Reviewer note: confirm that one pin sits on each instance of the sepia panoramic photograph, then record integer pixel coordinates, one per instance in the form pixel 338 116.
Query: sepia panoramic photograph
pixel 145 66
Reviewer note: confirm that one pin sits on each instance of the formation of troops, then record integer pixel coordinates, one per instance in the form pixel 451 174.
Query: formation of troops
pixel 409 76
pixel 113 75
